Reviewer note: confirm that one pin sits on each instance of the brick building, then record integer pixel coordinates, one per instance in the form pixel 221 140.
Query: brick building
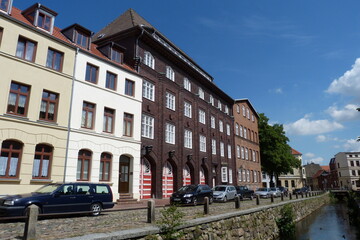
pixel 186 119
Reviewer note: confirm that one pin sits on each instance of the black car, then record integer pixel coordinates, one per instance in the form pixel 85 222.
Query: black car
pixel 284 191
pixel 300 190
pixel 192 194
pixel 243 192
pixel 60 198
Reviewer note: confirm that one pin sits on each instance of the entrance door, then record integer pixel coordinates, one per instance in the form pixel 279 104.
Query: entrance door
pixel 124 173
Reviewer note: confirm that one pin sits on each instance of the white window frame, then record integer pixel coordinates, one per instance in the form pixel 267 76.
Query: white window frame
pixel 219 105
pixel 222 149
pixel 246 154
pixel 237 108
pixel 248 113
pixel 245 133
pixel 254 155
pixel 188 139
pixel 201 93
pixel 149 60
pixel 213 146
pixel 211 100
pixel 238 151
pixel 242 152
pixel 212 120
pixel 221 126
pixel 170 133
pixel 187 84
pixel 226 109
pixel 243 110
pixel 248 175
pixel 230 176
pixel 202 116
pixel 148 90
pixel 240 174
pixel 228 129
pixel 170 74
pixel 255 176
pixel 202 143
pixel 224 174
pixel 252 118
pixel 147 127
pixel 241 131
pixel 187 109
pixel 170 101
pixel 229 151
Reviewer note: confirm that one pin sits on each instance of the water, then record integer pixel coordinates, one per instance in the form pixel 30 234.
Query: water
pixel 330 222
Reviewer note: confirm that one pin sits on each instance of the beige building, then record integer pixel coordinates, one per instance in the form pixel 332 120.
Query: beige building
pixel 348 169
pixel 36 66
pixel 297 178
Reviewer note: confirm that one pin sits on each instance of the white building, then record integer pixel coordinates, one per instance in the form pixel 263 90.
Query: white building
pixel 348 169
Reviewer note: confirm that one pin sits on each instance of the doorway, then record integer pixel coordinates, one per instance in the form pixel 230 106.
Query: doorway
pixel 124 174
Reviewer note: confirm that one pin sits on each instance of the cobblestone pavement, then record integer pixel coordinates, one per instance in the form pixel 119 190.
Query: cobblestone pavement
pixel 120 218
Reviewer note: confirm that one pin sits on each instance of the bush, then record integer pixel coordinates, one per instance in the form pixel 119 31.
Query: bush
pixel 170 219
pixel 286 223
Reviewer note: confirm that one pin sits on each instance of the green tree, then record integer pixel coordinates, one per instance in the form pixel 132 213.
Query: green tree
pixel 276 157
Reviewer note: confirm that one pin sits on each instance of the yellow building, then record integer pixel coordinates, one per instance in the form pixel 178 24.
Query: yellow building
pixel 36 71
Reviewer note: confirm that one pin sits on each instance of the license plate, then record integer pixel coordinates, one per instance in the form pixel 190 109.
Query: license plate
pixel 177 199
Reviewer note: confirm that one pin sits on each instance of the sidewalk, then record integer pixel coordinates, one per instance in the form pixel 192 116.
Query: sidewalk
pixel 143 203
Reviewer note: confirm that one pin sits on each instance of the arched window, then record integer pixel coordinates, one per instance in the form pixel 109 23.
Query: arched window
pixel 10 159
pixel 42 161
pixel 83 166
pixel 237 129
pixel 170 74
pixel 105 167
pixel 149 60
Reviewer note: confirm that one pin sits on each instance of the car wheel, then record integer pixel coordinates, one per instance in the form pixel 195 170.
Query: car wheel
pixel 211 200
pixel 95 209
pixel 251 197
pixel 225 199
pixel 27 210
pixel 194 201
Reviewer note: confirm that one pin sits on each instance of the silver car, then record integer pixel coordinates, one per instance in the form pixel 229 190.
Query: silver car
pixel 275 191
pixel 224 193
pixel 263 192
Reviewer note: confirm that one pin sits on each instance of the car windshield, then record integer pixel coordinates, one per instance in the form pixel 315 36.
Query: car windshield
pixel 273 189
pixel 187 188
pixel 220 189
pixel 263 189
pixel 47 188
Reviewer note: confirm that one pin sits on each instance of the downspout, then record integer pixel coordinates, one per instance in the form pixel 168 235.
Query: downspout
pixel 70 111
pixel 137 47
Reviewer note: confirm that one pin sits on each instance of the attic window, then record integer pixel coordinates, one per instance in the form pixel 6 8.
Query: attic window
pixel 44 21
pixel 5 5
pixel 41 16
pixel 81 39
pixel 116 55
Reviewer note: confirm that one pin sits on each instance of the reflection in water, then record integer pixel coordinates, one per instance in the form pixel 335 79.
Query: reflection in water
pixel 329 222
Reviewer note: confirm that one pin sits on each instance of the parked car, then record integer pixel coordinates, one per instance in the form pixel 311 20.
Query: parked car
pixel 224 193
pixel 263 192
pixel 300 190
pixel 60 198
pixel 275 192
pixel 192 194
pixel 243 192
pixel 284 191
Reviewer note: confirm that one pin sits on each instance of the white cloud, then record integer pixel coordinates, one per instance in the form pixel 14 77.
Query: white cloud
pixel 352 145
pixel 309 155
pixel 349 83
pixel 276 90
pixel 305 126
pixel 321 138
pixel 311 158
pixel 348 113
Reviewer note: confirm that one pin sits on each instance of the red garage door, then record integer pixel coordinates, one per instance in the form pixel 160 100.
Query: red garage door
pixel 202 176
pixel 145 179
pixel 167 180
pixel 186 176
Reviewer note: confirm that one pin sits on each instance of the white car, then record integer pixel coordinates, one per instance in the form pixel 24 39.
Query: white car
pixel 275 192
pixel 224 193
pixel 263 192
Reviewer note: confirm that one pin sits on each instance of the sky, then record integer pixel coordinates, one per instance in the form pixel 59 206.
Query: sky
pixel 298 62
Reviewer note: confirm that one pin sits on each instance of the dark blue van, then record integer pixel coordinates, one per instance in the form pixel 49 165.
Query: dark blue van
pixel 60 198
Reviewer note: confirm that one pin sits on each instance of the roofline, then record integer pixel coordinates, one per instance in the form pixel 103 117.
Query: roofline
pixel 251 105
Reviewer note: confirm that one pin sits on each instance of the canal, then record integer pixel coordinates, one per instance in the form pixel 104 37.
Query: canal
pixel 330 222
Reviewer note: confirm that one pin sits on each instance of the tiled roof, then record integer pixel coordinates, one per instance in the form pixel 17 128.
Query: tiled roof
pixel 16 14
pixel 326 168
pixel 318 173
pixel 294 152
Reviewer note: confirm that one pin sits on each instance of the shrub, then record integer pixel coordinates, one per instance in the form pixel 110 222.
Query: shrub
pixel 170 219
pixel 286 223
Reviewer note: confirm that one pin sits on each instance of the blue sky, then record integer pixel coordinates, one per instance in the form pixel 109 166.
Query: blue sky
pixel 297 61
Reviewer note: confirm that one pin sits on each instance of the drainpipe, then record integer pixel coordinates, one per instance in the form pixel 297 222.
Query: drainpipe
pixel 137 47
pixel 70 111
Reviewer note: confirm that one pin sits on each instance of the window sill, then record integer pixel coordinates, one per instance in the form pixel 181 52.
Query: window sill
pixel 13 180
pixel 106 182
pixel 47 122
pixel 37 181
pixel 16 116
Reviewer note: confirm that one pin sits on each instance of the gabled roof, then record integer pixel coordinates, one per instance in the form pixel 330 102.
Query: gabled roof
pixel 326 168
pixel 294 152
pixel 249 103
pixel 318 173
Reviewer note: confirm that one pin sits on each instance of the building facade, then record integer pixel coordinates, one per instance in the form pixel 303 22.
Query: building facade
pixel 247 149
pixel 348 169
pixel 186 119
pixel 36 65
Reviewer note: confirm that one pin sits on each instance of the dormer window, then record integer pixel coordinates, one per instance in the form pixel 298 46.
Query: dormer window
pixel 41 16
pixel 81 39
pixel 115 55
pixel 78 35
pixel 113 51
pixel 5 5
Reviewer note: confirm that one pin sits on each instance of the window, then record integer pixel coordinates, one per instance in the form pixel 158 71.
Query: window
pixel 219 105
pixel 105 167
pixel 201 93
pixel 248 113
pixel 228 129
pixel 128 124
pixel 18 99
pixel 245 133
pixel 170 101
pixel 202 143
pixel 211 100
pixel 10 159
pixel 238 151
pixel 202 116
pixel 147 126
pixel 240 175
pixel 4 5
pixel 242 152
pixel 129 87
pixel 187 109
pixel 286 183
pixel 54 59
pixel 222 149
pixel 230 176
pixel 248 175
pixel 353 172
pixel 81 39
pixel 254 156
pixel 149 60
pixel 237 108
pixel 42 161
pixel 224 175
pixel 108 124
pixel 213 146
pixel 352 163
pixel 245 176
pixel 221 126
pixel 252 118
pixel 188 139
pixel 170 133
pixel 241 131
pixel 44 21
pixel 212 120
pixel 229 151
pixel 243 110
pixel 292 183
pixel 226 109
pixel 237 129
pixel 83 166
pixel 148 90
pixel 116 56
pixel 246 153
pixel 26 49
pixel 170 74
pixel 111 80
pixel 1 33
pixel 88 115
pixel 48 108
pixel 91 73
pixel 187 84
